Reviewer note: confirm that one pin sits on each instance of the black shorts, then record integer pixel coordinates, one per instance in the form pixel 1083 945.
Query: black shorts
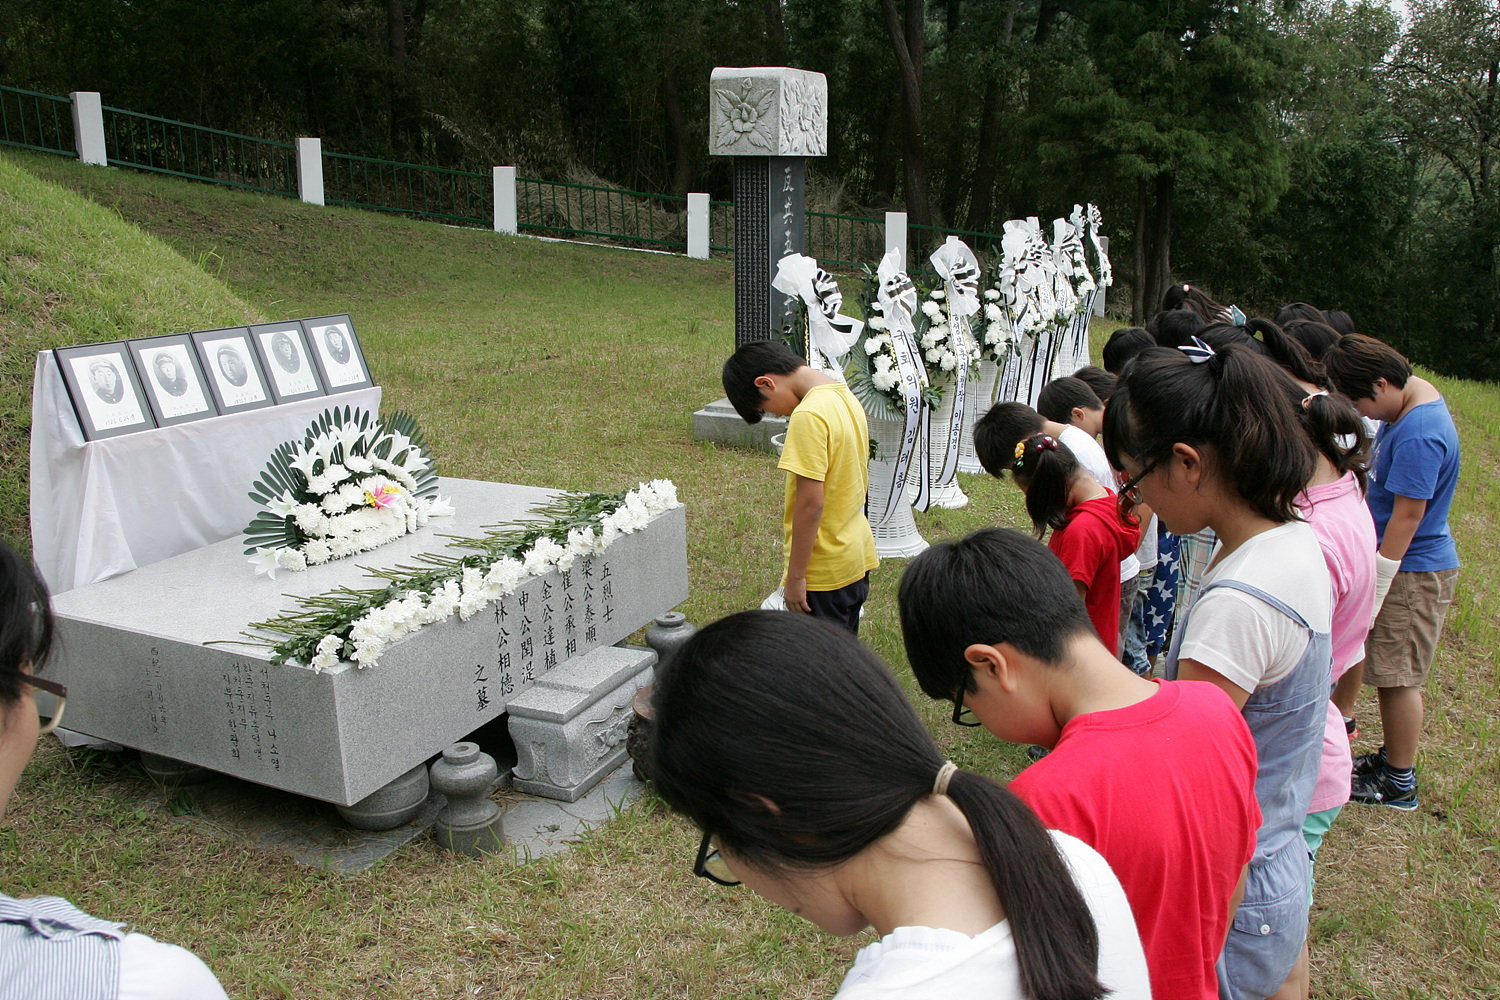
pixel 841 606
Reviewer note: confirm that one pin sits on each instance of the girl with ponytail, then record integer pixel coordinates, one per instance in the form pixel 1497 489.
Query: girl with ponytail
pixel 1211 437
pixel 795 751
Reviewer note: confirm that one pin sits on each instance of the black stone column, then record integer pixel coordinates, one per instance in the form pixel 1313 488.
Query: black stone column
pixel 770 212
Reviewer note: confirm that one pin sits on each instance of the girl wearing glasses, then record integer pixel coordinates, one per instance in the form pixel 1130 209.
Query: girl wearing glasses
pixel 1211 438
pixel 49 949
pixel 816 784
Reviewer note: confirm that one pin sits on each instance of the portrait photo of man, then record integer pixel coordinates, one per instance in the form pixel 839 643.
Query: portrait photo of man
pixel 169 374
pixel 232 366
pixel 338 347
pixel 104 379
pixel 285 353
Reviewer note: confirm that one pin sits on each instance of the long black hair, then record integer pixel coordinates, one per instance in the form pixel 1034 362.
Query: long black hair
pixel 1236 403
pixel 795 745
pixel 1045 468
pixel 1194 299
pixel 25 623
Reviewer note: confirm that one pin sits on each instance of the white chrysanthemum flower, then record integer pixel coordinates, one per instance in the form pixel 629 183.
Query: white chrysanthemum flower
pixel 948 362
pixel 359 464
pixel 992 294
pixel 885 380
pixel 291 559
pixel 937 295
pixel 876 323
pixel 932 309
pixel 327 654
pixel 992 313
pixel 884 363
pixel 935 355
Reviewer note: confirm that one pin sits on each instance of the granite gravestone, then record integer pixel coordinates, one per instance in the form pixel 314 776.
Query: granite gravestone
pixel 142 658
pixel 770 118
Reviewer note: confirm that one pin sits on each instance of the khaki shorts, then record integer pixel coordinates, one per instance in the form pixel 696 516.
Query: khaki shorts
pixel 1405 635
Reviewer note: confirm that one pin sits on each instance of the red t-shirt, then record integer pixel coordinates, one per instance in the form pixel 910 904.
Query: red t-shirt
pixel 1092 545
pixel 1165 791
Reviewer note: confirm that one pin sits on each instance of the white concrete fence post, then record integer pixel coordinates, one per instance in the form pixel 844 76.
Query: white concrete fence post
pixel 895 235
pixel 505 200
pixel 310 170
pixel 88 127
pixel 1099 298
pixel 697 225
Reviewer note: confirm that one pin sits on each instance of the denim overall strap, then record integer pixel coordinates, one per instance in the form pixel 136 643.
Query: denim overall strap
pixel 1286 719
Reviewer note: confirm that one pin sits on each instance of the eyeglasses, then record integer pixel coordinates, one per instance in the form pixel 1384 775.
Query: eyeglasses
pixel 1130 492
pixel 711 864
pixel 963 716
pixel 60 691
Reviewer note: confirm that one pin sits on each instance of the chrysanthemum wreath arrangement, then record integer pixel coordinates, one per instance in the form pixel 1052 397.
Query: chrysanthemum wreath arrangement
pixel 358 625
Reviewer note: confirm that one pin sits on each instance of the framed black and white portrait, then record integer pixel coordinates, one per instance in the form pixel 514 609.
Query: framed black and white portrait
pixel 290 370
pixel 173 381
pixel 234 374
pixel 341 363
pixel 105 390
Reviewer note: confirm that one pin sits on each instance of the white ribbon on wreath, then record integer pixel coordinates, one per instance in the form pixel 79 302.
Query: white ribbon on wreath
pixel 830 334
pixel 956 264
pixel 897 296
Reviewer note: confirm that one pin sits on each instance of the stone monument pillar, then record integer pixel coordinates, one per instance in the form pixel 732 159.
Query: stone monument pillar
pixel 771 118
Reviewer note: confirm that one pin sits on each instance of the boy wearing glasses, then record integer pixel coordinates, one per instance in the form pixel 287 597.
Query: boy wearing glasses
pixel 829 546
pixel 994 623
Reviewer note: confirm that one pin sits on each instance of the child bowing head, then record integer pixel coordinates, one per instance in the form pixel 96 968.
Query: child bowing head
pixel 795 751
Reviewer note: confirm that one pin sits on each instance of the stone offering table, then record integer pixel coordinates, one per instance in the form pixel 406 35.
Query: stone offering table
pixel 133 653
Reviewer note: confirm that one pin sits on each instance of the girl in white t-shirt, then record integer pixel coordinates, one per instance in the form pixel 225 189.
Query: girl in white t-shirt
pixel 795 750
pixel 1212 439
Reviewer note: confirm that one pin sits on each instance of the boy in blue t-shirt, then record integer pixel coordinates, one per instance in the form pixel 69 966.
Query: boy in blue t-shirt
pixel 1414 473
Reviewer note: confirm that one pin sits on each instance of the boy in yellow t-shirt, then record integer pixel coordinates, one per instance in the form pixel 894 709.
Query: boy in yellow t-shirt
pixel 830 549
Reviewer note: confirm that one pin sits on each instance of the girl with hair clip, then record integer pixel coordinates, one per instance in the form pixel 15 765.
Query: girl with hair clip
pixel 1196 300
pixel 821 790
pixel 49 949
pixel 1088 533
pixel 1212 438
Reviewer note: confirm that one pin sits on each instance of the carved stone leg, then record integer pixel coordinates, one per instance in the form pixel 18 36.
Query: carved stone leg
pixel 569 728
pixel 174 773
pixel 470 822
pixel 390 806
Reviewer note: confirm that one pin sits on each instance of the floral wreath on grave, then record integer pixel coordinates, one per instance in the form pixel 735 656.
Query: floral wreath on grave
pixel 942 350
pixel 358 625
pixel 873 370
pixel 354 484
pixel 994 326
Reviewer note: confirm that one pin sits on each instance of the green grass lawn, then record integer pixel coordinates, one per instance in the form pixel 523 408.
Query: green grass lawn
pixel 573 366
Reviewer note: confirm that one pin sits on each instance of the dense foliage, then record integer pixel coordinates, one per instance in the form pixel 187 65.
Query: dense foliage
pixel 1271 150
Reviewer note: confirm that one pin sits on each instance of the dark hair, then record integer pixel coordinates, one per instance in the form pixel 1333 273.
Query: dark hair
pixel 1236 404
pixel 795 745
pixel 996 434
pixel 25 623
pixel 1316 337
pixel 1196 300
pixel 1337 431
pixel 1045 470
pixel 1174 327
pixel 1298 310
pixel 1340 321
pixel 1124 344
pixel 992 586
pixel 750 362
pixel 1058 398
pixel 1357 362
pixel 1273 344
pixel 1101 381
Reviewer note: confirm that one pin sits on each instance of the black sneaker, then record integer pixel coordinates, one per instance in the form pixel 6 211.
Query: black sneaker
pixel 1366 764
pixel 1378 790
pixel 1351 726
pixel 1036 752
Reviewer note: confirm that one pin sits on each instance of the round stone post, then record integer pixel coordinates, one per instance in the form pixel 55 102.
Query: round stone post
pixel 470 822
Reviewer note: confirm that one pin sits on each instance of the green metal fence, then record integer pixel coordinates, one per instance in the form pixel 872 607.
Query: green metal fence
pixel 721 227
pixel 164 146
pixel 844 240
pixel 657 220
pixel 36 121
pixel 408 189
pixel 925 239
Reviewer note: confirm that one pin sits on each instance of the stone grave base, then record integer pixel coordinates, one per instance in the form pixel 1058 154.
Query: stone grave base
pixel 312 833
pixel 720 423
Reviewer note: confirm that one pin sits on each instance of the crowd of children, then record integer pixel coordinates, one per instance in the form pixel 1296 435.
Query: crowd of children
pixel 1183 653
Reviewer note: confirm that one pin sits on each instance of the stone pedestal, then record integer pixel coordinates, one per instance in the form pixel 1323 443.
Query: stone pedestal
pixel 720 423
pixel 898 537
pixel 470 822
pixel 151 658
pixel 570 728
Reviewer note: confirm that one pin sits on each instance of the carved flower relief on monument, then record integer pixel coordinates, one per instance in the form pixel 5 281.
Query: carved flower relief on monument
pixel 801 116
pixel 743 115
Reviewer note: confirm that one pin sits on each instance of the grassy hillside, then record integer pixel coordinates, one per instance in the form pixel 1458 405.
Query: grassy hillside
pixel 74 272
pixel 567 365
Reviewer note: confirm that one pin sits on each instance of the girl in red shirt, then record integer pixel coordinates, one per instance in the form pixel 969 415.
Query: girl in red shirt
pixel 1088 533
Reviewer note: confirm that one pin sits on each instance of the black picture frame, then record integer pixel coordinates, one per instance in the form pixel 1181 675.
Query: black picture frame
pixel 104 389
pixel 341 370
pixel 173 379
pixel 291 371
pixel 237 385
